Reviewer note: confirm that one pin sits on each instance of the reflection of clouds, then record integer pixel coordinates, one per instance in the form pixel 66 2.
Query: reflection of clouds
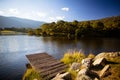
pixel 13 45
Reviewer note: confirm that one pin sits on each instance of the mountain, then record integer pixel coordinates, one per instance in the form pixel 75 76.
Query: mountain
pixel 8 22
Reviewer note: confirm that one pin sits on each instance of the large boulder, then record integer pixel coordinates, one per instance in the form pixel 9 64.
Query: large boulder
pixel 99 61
pixel 75 66
pixel 64 76
pixel 107 54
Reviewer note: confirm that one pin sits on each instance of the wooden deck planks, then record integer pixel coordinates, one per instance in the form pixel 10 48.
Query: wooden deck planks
pixel 46 65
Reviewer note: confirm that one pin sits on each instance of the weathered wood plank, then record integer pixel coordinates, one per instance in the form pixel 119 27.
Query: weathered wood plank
pixel 46 65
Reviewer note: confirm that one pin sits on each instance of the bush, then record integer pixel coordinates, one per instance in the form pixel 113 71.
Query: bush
pixel 73 56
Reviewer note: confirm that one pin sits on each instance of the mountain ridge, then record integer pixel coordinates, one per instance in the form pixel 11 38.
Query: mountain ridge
pixel 9 22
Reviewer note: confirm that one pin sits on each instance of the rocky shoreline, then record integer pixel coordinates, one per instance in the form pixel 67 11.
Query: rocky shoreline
pixel 101 67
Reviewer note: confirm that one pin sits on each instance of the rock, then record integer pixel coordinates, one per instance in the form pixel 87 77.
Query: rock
pixel 114 54
pixel 64 76
pixel 83 77
pixel 96 79
pixel 104 70
pixel 107 54
pixel 83 71
pixel 99 61
pixel 75 66
pixel 87 62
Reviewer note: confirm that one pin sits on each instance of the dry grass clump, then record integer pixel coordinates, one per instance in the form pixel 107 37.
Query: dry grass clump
pixel 73 56
pixel 73 73
pixel 31 75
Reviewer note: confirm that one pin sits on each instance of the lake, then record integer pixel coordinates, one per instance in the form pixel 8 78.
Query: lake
pixel 14 48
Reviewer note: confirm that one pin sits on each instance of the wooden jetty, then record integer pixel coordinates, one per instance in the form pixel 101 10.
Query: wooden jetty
pixel 46 65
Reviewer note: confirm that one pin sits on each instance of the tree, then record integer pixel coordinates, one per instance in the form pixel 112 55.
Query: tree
pixel 97 25
pixel 38 31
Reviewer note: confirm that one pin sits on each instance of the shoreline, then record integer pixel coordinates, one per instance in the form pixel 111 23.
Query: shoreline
pixel 112 58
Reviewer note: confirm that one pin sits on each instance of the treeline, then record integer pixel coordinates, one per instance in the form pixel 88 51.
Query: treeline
pixel 23 30
pixel 103 27
pixel 29 31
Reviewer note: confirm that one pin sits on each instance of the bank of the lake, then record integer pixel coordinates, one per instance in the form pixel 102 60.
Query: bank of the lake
pixel 103 66
pixel 9 32
pixel 13 49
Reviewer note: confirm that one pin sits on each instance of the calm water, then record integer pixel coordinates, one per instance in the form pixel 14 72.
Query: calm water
pixel 14 48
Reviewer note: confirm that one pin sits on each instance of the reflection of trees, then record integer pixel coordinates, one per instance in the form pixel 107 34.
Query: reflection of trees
pixel 112 44
pixel 58 40
pixel 93 43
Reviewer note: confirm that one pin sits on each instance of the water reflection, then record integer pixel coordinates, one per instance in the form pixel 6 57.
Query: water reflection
pixel 14 48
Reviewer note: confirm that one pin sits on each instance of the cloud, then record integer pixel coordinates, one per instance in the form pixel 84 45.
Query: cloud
pixel 54 19
pixel 51 18
pixel 65 9
pixel 60 17
pixel 1 12
pixel 41 14
pixel 13 11
pixel 34 15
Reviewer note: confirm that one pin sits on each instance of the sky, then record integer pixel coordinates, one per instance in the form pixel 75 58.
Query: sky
pixel 54 10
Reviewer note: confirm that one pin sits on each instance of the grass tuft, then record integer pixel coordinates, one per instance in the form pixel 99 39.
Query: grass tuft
pixel 73 56
pixel 31 75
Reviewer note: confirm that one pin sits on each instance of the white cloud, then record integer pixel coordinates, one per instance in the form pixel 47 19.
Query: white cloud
pixel 41 14
pixel 13 11
pixel 34 15
pixel 65 9
pixel 54 19
pixel 1 12
pixel 60 17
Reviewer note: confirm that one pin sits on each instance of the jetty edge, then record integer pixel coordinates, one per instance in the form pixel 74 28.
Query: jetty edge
pixel 46 65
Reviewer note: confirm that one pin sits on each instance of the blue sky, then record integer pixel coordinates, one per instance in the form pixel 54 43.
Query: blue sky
pixel 53 10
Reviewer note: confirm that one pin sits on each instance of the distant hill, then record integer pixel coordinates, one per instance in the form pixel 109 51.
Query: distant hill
pixel 105 27
pixel 8 22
